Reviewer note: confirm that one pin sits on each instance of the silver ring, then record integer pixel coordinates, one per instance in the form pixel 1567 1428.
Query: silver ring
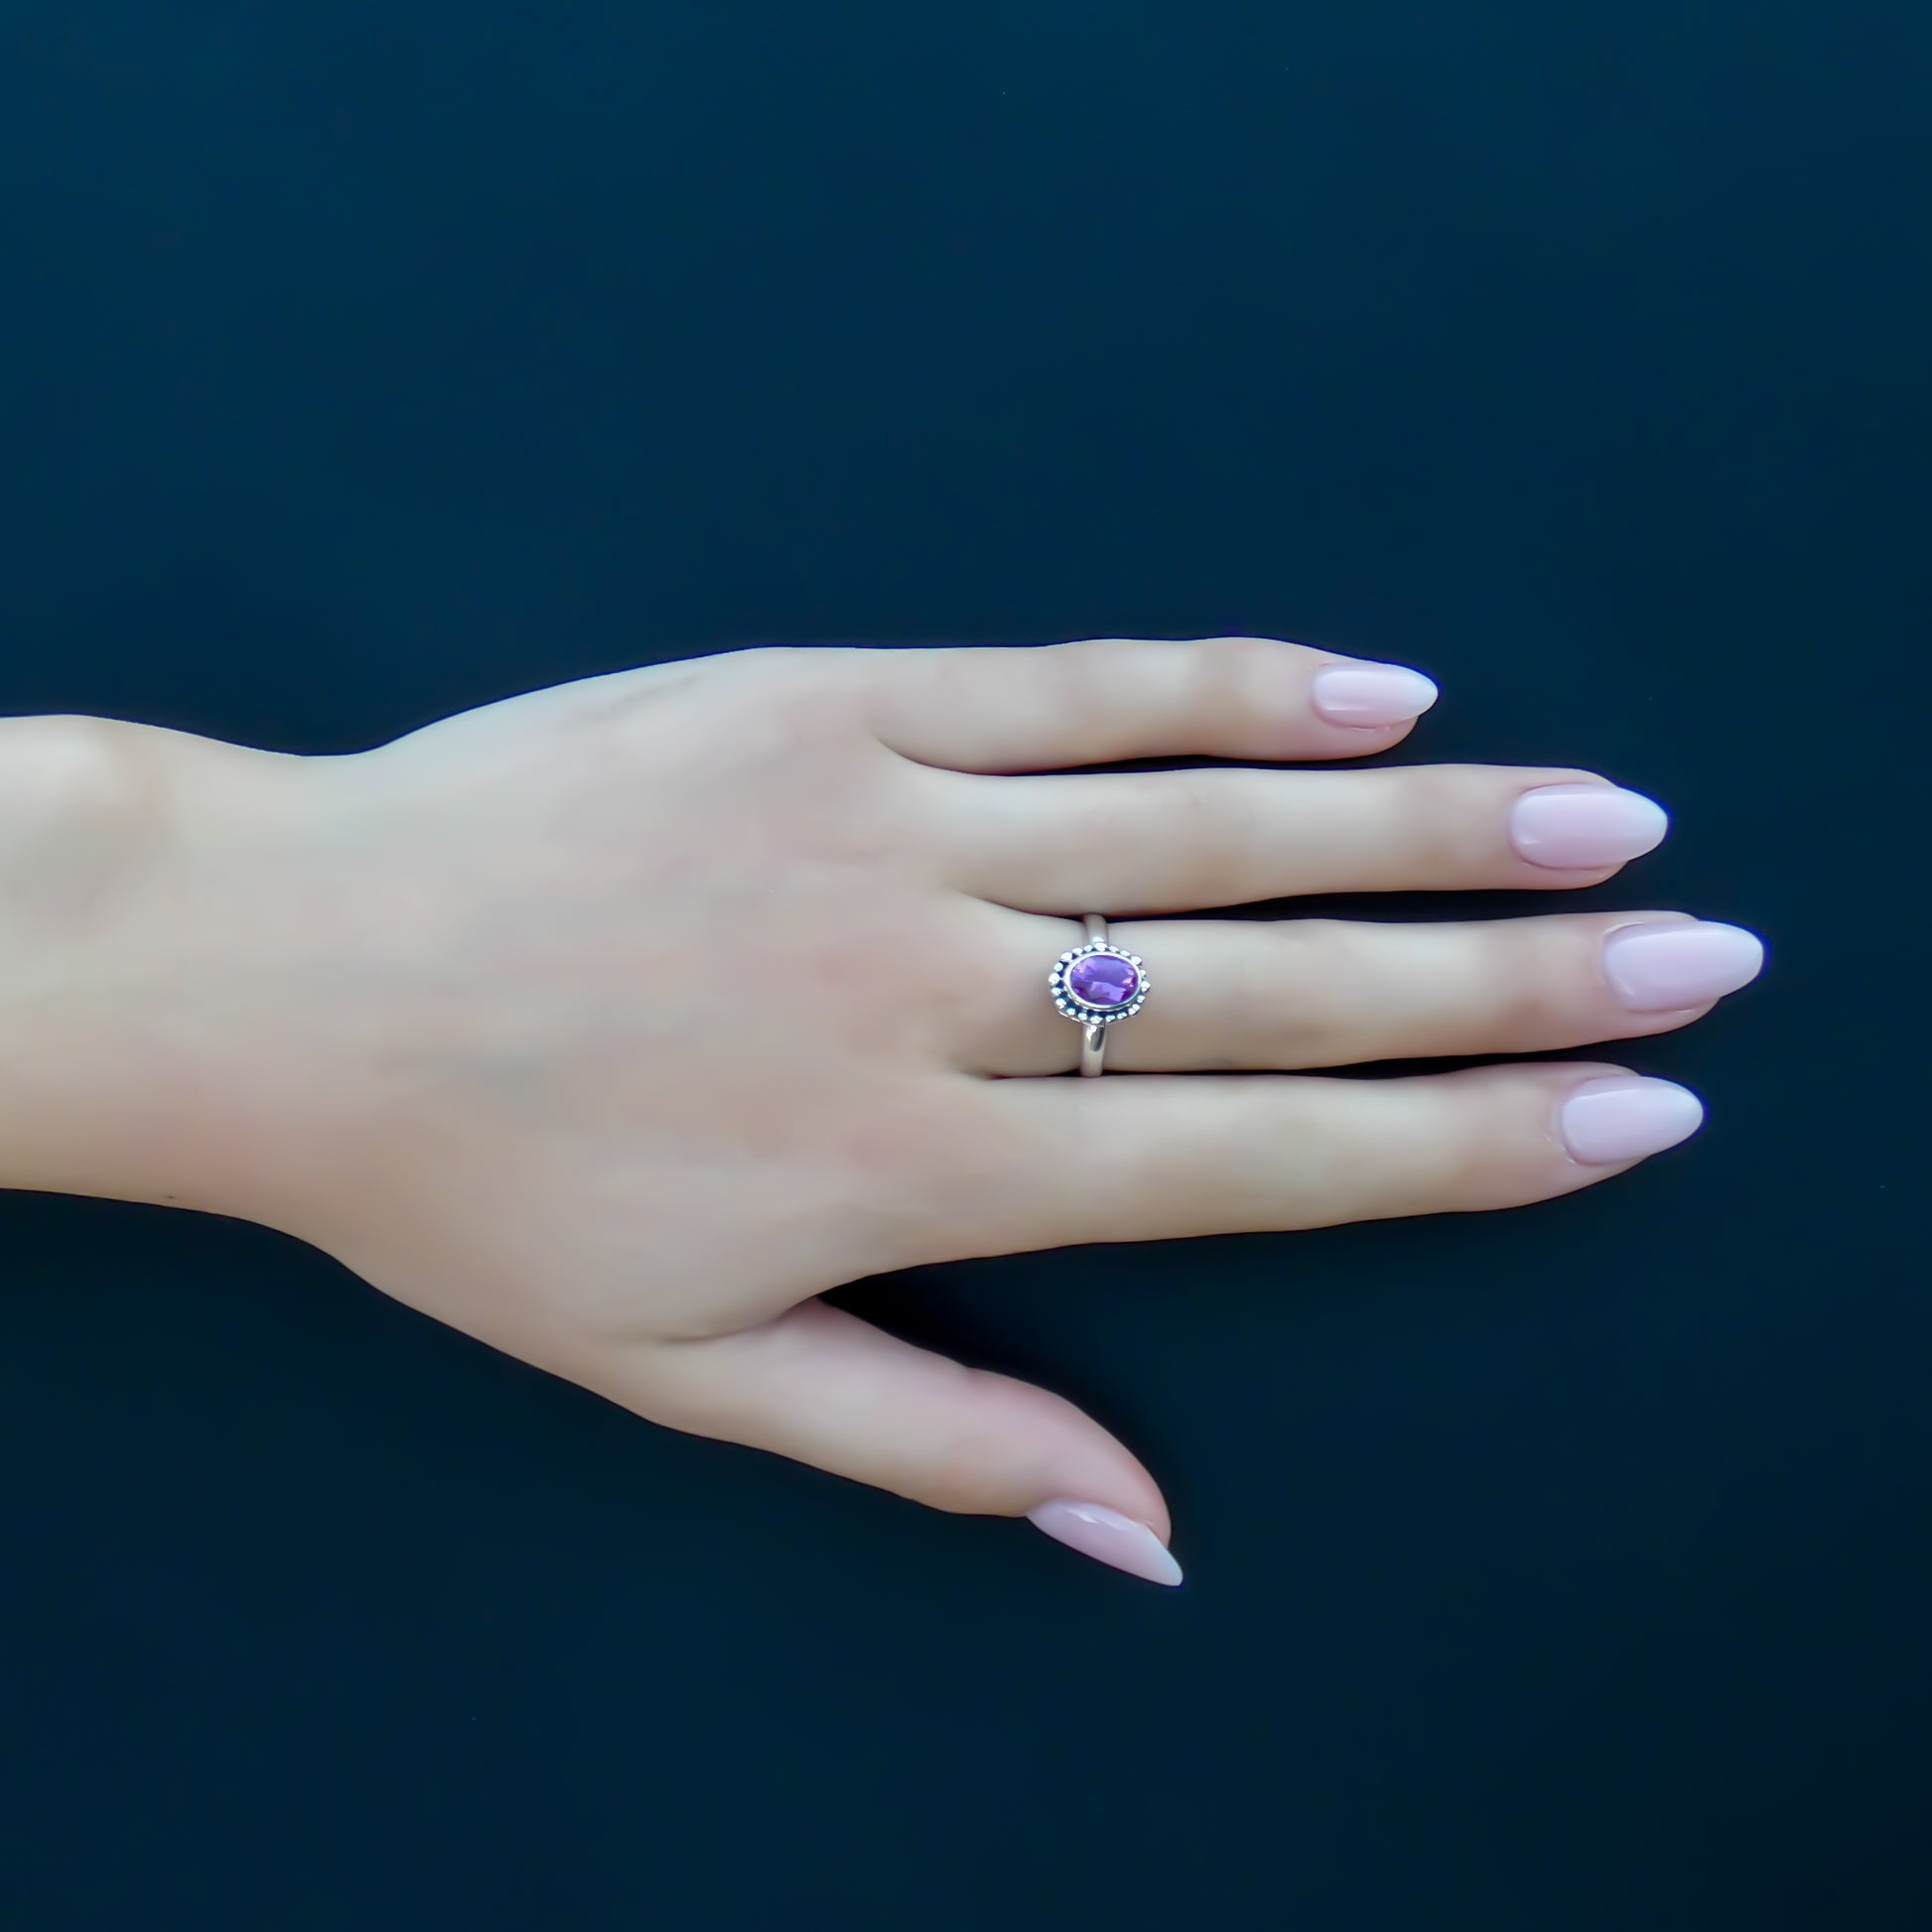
pixel 1095 986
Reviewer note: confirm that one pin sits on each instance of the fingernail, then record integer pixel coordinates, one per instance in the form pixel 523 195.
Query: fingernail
pixel 1370 694
pixel 1584 825
pixel 1108 1537
pixel 1623 1117
pixel 1659 968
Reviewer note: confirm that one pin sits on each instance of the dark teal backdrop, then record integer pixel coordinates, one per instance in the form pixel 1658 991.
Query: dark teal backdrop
pixel 1550 1572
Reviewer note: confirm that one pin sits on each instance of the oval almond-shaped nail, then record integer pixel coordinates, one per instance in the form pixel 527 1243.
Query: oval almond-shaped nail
pixel 1370 694
pixel 1108 1537
pixel 1625 1117
pixel 1580 827
pixel 1659 968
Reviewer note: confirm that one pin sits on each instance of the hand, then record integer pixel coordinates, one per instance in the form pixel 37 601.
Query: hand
pixel 612 1023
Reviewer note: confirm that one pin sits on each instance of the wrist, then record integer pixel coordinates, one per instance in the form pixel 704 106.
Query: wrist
pixel 135 863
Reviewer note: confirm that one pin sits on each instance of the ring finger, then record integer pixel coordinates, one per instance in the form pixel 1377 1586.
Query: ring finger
pixel 1293 994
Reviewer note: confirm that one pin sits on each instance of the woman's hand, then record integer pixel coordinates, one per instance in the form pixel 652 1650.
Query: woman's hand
pixel 612 1023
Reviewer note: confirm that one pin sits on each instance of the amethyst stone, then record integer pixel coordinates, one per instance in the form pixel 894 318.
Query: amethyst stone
pixel 1102 979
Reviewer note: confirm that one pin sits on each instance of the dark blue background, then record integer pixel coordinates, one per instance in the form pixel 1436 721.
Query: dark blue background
pixel 1559 1569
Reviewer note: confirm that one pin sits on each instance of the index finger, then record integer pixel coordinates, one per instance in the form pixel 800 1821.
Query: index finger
pixel 1004 708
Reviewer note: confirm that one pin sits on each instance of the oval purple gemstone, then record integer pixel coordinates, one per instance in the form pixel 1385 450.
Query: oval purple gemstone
pixel 1102 979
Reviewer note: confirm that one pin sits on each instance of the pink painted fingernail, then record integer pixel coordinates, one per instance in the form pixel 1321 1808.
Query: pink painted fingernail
pixel 1370 694
pixel 1623 1117
pixel 1657 968
pixel 1575 826
pixel 1108 1537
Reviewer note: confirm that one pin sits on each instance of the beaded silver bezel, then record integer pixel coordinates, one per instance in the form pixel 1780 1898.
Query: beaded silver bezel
pixel 1074 1008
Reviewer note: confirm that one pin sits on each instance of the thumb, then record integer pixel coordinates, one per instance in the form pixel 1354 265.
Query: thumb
pixel 823 1387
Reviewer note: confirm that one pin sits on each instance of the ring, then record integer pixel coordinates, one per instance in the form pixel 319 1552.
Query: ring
pixel 1095 985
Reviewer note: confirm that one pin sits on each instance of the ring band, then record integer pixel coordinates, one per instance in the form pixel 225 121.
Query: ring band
pixel 1095 985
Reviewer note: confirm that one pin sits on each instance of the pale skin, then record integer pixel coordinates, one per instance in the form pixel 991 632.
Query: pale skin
pixel 616 1023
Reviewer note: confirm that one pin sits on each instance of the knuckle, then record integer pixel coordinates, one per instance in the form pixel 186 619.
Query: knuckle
pixel 1084 668
pixel 975 1186
pixel 804 692
pixel 1300 989
pixel 1227 823
pixel 1502 1151
pixel 1245 685
pixel 1443 816
pixel 902 1170
pixel 957 1473
pixel 1456 1169
pixel 1224 670
pixel 1454 815
pixel 1542 975
pixel 112 789
pixel 794 692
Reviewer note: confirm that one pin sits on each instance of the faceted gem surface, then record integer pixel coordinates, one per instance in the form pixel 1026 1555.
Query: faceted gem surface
pixel 1100 979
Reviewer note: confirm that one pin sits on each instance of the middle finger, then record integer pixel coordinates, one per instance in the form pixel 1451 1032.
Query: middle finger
pixel 1231 835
